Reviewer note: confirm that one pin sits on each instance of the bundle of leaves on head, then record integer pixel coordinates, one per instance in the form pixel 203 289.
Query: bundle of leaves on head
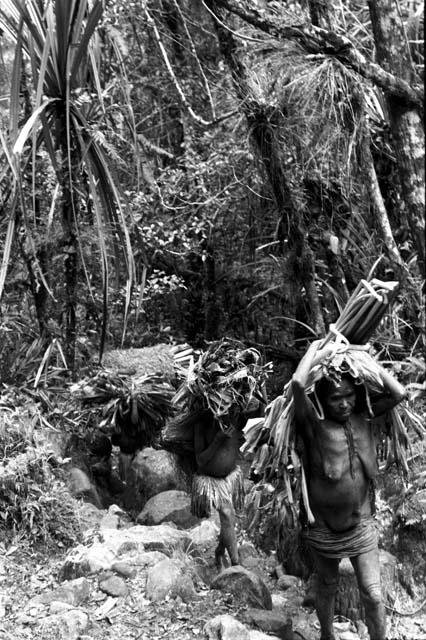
pixel 226 381
pixel 132 409
pixel 272 440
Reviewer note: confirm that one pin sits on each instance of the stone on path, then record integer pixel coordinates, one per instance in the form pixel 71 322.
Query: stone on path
pixel 72 592
pixel 170 577
pixel 68 625
pixel 272 622
pixel 169 506
pixel 113 586
pixel 203 538
pixel 254 634
pixel 149 559
pixel 151 471
pixel 123 569
pixel 245 585
pixel 225 627
pixel 102 549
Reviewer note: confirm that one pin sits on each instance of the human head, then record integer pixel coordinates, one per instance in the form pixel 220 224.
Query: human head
pixel 339 400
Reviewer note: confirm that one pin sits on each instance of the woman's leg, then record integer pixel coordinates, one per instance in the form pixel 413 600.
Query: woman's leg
pixel 367 570
pixel 228 537
pixel 327 581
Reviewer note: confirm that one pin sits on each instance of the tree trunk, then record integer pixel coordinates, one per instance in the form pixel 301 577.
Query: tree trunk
pixel 35 261
pixel 70 242
pixel 211 310
pixel 70 272
pixel 406 123
pixel 264 122
pixel 380 213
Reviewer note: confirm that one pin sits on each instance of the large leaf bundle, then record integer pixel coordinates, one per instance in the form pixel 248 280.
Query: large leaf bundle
pixel 139 404
pixel 273 439
pixel 225 380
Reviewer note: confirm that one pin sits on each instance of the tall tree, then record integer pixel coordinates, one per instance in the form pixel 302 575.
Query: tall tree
pixel 393 53
pixel 395 76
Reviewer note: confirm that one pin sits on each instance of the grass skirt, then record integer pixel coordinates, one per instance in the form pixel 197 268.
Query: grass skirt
pixel 208 492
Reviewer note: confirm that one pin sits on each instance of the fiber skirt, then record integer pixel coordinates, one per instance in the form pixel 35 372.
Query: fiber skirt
pixel 343 544
pixel 208 492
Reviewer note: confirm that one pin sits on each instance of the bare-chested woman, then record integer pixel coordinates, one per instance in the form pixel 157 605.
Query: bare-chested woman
pixel 340 463
pixel 218 482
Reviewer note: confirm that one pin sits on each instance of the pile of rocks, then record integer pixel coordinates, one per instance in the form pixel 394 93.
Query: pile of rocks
pixel 123 574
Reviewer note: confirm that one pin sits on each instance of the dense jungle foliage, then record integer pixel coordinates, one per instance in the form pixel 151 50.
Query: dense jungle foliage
pixel 176 171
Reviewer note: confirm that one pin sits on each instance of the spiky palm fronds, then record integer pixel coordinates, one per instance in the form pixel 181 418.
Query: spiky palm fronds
pixel 135 405
pixel 60 41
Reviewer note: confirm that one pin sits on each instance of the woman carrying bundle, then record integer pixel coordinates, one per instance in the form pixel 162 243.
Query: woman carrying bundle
pixel 224 388
pixel 218 481
pixel 339 456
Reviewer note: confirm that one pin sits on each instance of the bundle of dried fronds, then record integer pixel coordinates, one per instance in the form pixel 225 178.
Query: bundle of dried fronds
pixel 168 361
pixel 225 380
pixel 272 440
pixel 135 405
pixel 224 384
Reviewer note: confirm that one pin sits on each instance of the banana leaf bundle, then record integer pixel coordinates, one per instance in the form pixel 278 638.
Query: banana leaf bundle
pixel 273 440
pixel 225 380
pixel 133 405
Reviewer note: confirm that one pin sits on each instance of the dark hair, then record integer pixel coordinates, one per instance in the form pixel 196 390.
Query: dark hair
pixel 325 386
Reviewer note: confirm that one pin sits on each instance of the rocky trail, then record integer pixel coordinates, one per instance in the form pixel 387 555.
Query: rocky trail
pixel 128 581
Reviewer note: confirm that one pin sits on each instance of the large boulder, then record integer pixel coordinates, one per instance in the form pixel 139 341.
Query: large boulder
pixel 245 585
pixel 277 623
pixel 170 577
pixel 152 471
pixel 169 506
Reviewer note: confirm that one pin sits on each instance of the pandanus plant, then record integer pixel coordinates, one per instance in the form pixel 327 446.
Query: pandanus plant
pixel 59 41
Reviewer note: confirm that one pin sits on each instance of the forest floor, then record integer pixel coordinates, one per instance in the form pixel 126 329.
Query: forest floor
pixel 26 572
